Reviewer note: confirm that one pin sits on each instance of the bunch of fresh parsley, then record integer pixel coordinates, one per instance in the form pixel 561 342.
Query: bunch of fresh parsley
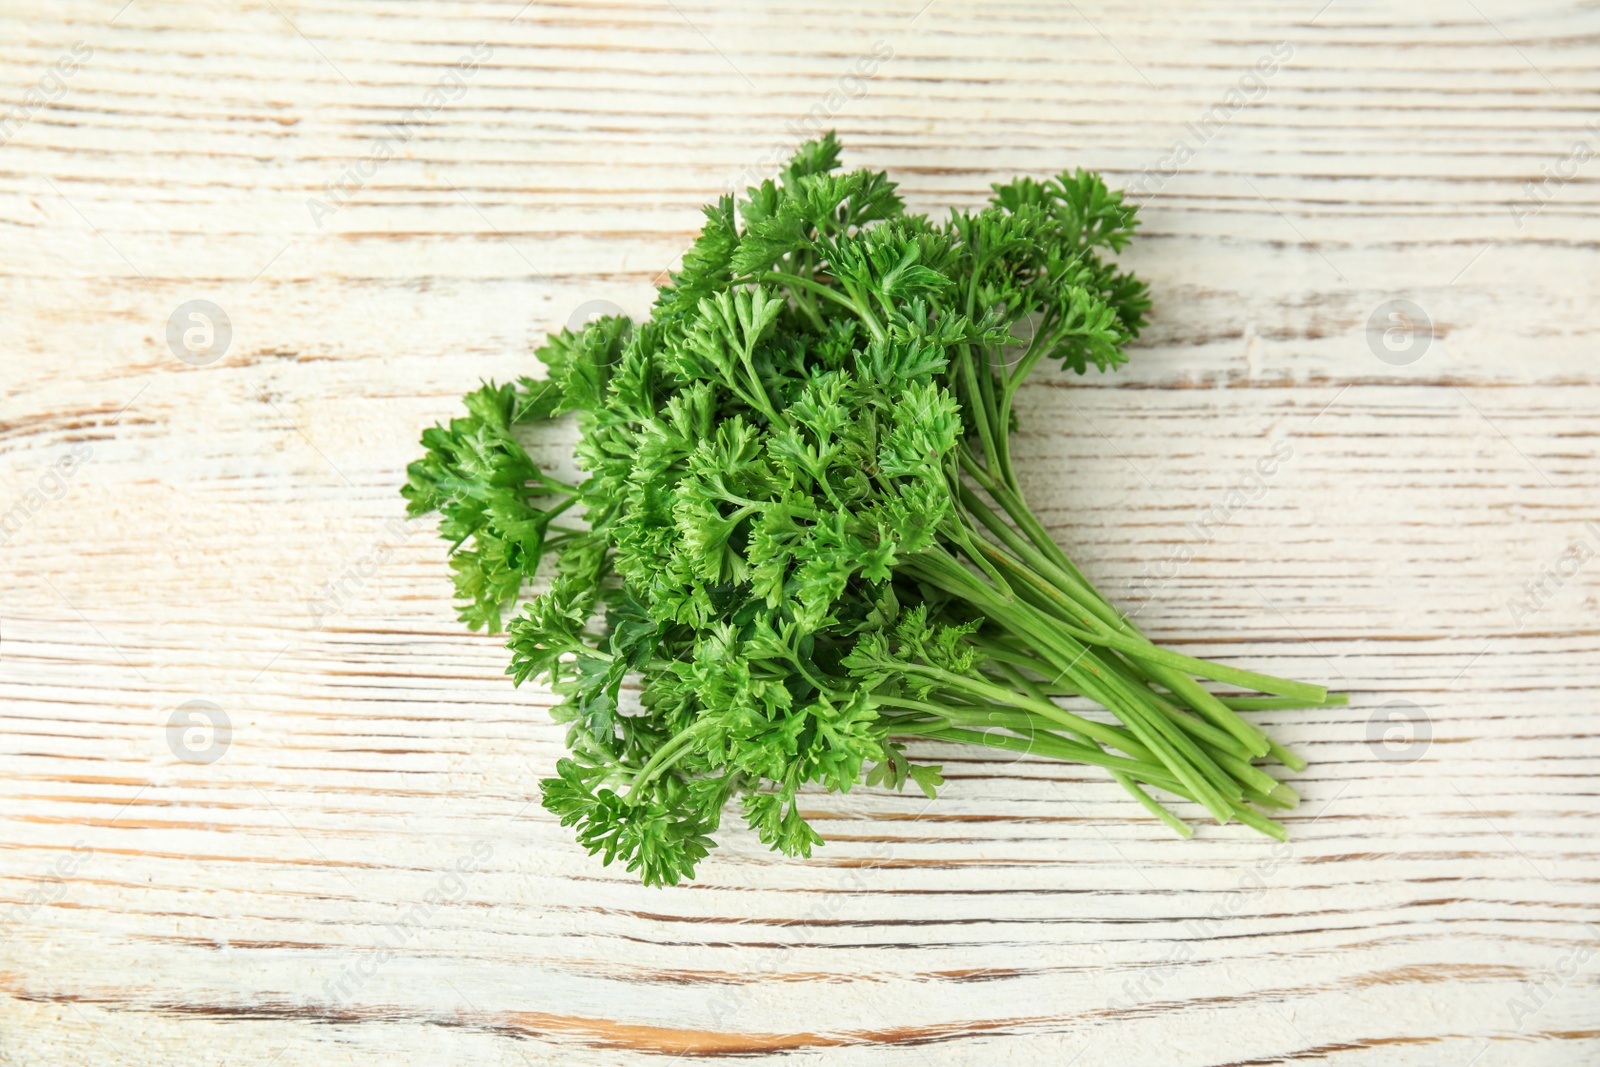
pixel 800 534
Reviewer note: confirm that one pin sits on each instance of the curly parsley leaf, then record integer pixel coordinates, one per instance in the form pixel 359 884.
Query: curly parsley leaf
pixel 799 551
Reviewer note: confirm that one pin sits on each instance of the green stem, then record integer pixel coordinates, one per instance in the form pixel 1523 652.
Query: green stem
pixel 980 414
pixel 1039 744
pixel 667 754
pixel 1013 379
pixel 1073 660
pixel 1109 735
pixel 1145 800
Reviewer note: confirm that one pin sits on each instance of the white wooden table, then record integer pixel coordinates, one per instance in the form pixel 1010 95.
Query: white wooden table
pixel 362 874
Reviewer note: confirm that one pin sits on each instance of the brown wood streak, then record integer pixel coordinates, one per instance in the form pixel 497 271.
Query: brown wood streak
pixel 595 1033
pixel 1321 1052
pixel 677 1041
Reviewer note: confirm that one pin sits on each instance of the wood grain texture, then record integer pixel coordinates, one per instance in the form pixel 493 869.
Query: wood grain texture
pixel 364 876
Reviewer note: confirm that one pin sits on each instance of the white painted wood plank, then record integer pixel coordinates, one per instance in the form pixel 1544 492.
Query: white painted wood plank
pixel 239 911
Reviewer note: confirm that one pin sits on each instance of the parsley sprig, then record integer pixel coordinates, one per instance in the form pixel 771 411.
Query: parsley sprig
pixel 800 532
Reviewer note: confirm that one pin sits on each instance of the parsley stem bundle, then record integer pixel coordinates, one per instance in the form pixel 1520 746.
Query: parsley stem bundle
pixel 800 536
